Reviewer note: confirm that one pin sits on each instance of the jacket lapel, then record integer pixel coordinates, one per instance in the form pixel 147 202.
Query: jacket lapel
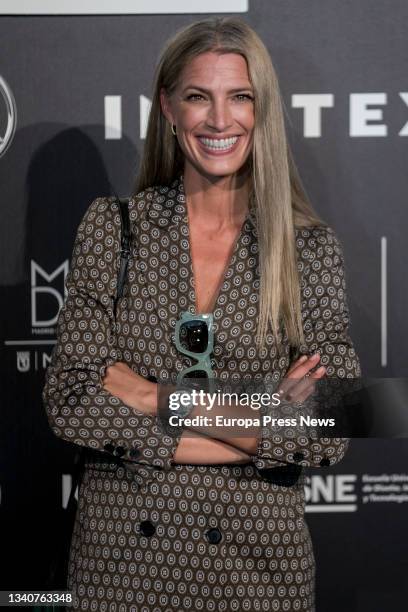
pixel 162 261
pixel 165 275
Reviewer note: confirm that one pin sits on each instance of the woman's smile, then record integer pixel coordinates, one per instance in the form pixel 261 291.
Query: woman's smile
pixel 218 146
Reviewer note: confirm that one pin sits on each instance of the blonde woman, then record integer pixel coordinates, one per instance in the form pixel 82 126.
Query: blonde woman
pixel 220 226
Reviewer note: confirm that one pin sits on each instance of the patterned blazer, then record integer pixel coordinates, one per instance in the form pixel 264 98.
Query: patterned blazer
pixel 151 534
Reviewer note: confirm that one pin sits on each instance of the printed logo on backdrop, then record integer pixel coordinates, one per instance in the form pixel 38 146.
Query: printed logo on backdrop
pixel 120 7
pixel 384 488
pixel 23 361
pixel 47 296
pixel 352 492
pixel 366 114
pixel 331 493
pixel 48 293
pixel 8 116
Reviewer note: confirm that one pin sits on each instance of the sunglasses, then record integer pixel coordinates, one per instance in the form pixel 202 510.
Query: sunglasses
pixel 194 337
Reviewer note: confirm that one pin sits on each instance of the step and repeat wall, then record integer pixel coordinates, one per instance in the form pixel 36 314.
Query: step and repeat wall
pixel 75 89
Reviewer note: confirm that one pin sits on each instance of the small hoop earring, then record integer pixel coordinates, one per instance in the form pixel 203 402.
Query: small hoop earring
pixel 173 130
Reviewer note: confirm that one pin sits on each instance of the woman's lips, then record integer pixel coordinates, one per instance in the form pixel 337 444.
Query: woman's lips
pixel 219 151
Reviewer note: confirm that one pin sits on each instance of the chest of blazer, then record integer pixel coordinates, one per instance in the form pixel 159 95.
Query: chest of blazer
pixel 160 285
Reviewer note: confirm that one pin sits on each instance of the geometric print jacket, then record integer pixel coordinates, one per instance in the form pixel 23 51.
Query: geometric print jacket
pixel 159 286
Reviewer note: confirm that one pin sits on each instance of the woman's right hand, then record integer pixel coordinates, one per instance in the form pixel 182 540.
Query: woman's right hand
pixel 299 382
pixel 131 388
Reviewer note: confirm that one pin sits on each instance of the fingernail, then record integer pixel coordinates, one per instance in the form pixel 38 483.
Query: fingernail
pixel 303 358
pixel 315 356
pixel 321 369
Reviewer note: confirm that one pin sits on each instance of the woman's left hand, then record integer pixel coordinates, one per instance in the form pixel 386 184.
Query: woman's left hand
pixel 134 390
pixel 299 382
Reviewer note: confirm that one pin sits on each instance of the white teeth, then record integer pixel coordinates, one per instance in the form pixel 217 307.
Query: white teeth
pixel 220 143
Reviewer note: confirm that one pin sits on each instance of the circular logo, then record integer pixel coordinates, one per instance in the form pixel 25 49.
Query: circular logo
pixel 7 131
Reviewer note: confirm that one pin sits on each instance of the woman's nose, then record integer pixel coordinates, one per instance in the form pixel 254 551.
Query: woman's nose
pixel 219 116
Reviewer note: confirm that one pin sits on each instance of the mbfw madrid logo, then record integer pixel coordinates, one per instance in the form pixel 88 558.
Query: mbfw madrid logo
pixel 7 128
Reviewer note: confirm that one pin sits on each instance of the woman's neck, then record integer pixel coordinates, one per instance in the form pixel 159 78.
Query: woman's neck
pixel 216 203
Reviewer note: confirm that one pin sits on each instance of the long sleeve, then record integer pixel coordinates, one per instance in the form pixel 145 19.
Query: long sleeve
pixel 78 408
pixel 325 324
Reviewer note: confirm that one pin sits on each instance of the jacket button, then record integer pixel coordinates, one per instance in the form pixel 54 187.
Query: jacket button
pixel 109 447
pixel 298 457
pixel 325 462
pixel 213 535
pixel 120 450
pixel 147 528
pixel 134 452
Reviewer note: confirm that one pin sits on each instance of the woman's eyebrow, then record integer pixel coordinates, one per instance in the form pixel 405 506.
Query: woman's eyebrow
pixel 234 90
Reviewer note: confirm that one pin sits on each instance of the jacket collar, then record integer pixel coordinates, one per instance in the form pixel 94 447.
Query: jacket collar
pixel 168 206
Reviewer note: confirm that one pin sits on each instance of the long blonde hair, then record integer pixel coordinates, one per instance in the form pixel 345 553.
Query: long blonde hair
pixel 276 192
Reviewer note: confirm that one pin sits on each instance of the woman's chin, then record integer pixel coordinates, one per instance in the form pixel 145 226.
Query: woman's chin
pixel 218 168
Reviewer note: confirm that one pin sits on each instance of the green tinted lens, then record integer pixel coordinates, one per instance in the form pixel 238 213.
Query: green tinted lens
pixel 194 336
pixel 196 374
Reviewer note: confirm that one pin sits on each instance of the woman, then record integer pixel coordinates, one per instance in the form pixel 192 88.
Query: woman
pixel 221 225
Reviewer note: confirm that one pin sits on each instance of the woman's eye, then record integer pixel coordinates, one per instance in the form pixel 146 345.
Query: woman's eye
pixel 241 97
pixel 191 96
pixel 244 96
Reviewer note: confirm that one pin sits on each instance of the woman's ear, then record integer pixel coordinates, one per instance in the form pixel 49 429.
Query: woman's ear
pixel 165 105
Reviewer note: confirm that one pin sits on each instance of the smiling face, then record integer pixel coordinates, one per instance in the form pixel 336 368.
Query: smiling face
pixel 213 111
